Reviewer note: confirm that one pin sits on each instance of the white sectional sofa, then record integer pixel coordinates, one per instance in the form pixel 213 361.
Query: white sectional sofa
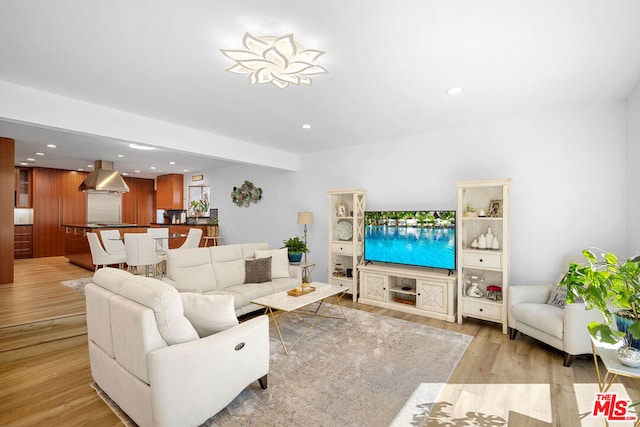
pixel 168 358
pixel 239 270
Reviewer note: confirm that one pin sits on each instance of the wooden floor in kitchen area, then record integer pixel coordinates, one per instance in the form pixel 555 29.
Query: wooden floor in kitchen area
pixel 45 375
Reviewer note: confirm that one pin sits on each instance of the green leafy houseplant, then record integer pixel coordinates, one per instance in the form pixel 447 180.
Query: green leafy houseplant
pixel 611 285
pixel 295 246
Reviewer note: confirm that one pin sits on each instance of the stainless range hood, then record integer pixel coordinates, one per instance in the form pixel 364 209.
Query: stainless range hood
pixel 104 179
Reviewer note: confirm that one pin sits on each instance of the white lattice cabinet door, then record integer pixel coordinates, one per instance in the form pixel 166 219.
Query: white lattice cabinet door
pixel 432 296
pixel 483 250
pixel 374 286
pixel 346 236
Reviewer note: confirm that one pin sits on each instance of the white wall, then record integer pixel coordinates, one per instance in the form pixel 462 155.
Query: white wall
pixel 568 171
pixel 633 173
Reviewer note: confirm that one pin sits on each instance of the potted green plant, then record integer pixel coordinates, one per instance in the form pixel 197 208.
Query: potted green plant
pixel 295 249
pixel 611 285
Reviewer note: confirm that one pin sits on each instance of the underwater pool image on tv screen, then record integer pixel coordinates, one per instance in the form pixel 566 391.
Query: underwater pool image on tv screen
pixel 421 238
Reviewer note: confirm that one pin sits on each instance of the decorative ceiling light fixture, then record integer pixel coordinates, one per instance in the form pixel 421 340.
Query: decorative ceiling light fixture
pixel 278 60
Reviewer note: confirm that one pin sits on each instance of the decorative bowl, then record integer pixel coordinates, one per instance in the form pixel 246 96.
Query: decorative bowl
pixel 629 356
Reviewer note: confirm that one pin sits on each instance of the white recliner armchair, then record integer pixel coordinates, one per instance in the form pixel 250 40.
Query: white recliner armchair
pixel 561 328
pixel 170 359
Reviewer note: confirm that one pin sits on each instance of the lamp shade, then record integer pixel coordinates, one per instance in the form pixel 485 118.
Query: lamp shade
pixel 305 217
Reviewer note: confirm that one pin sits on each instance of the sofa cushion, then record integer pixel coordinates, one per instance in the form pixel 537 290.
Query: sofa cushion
pixel 225 253
pixel 229 273
pixel 544 317
pixel 166 304
pixel 279 261
pixel 209 313
pixel 257 270
pixel 191 270
pixel 198 278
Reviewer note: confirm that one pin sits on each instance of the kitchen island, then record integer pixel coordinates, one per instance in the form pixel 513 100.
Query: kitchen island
pixel 76 245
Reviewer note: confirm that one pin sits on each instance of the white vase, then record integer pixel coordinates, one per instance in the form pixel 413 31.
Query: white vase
pixel 495 245
pixel 482 242
pixel 489 237
pixel 474 244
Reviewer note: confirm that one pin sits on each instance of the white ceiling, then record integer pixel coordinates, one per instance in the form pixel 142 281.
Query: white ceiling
pixel 389 65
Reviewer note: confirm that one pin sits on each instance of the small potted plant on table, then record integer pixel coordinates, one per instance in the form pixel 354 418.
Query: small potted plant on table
pixel 295 249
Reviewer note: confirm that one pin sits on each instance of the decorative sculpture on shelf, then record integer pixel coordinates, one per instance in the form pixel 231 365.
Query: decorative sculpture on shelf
pixel 246 194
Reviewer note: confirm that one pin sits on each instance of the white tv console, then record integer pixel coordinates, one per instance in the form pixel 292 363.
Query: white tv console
pixel 422 291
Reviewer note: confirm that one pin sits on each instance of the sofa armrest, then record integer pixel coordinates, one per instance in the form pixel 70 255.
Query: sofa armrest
pixel 576 335
pixel 295 271
pixel 194 380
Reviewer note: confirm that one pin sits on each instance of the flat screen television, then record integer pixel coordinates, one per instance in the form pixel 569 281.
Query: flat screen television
pixel 420 238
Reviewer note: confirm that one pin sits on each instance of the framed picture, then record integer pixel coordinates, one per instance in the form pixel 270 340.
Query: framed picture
pixel 495 209
pixel 341 209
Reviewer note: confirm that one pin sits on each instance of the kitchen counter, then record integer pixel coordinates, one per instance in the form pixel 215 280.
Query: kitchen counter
pixel 76 245
pixel 103 226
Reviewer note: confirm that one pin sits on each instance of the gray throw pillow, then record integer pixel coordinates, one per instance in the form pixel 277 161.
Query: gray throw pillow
pixel 257 270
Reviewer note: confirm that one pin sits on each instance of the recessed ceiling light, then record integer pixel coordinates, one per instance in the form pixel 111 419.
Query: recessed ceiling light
pixel 24 164
pixel 30 159
pixel 39 154
pixel 185 170
pixel 51 145
pixel 306 126
pixel 80 169
pixel 172 163
pixel 136 171
pixel 120 155
pixel 141 147
pixel 125 173
pixel 152 168
pixel 89 166
pixel 453 90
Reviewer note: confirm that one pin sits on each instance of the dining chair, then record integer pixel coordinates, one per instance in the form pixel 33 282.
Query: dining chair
pixel 101 257
pixel 112 242
pixel 141 252
pixel 193 239
pixel 161 238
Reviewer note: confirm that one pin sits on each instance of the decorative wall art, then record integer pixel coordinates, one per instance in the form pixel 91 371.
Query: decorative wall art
pixel 246 194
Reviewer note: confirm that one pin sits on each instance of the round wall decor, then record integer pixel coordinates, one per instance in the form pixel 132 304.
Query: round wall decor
pixel 246 194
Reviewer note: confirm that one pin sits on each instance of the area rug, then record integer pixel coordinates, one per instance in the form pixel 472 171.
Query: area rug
pixel 77 284
pixel 371 370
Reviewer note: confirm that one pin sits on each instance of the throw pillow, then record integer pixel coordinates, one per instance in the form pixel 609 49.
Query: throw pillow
pixel 558 297
pixel 257 270
pixel 209 313
pixel 279 261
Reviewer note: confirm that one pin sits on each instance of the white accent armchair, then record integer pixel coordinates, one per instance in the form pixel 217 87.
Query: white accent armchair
pixel 561 328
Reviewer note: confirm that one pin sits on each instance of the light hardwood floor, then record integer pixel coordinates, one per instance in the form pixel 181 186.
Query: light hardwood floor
pixel 521 382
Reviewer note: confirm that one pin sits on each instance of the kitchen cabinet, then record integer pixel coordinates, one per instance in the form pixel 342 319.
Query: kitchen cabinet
pixel 170 191
pixel 137 204
pixel 23 188
pixel 22 241
pixel 56 201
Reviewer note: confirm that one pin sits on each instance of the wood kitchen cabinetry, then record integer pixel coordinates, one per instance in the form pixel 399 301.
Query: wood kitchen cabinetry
pixel 170 191
pixel 23 188
pixel 22 241
pixel 137 204
pixel 56 201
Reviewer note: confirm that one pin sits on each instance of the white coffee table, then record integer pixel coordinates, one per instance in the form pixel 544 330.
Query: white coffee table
pixel 281 302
